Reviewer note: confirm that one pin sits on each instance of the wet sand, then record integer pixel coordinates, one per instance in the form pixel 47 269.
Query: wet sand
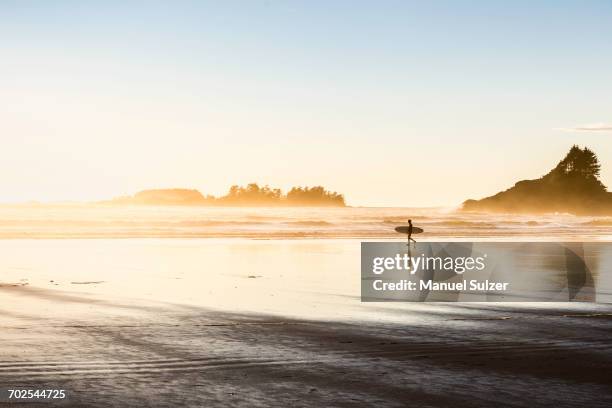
pixel 294 341
pixel 173 355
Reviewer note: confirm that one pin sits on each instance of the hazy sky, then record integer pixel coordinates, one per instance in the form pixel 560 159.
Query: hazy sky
pixel 391 103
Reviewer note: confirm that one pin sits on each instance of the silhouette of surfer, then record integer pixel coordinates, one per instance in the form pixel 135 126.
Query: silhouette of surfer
pixel 408 230
pixel 410 233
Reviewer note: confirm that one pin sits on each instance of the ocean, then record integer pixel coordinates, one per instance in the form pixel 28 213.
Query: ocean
pixel 97 221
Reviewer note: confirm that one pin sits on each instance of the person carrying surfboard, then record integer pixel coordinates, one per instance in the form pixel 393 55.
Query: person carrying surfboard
pixel 410 232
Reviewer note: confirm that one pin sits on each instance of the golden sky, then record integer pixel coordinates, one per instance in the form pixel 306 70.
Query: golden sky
pixel 392 104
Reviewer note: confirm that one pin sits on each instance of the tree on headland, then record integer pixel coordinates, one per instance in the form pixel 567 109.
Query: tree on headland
pixel 581 164
pixel 572 186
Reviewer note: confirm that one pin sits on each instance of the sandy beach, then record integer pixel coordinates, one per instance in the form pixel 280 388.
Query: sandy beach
pixel 238 322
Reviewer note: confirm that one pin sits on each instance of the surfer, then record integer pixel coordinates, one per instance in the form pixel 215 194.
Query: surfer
pixel 410 233
pixel 409 230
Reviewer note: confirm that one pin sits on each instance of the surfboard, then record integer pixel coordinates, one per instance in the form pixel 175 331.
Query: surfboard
pixel 403 229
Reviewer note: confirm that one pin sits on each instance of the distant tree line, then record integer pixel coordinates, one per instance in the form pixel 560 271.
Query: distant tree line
pixel 250 195
pixel 308 196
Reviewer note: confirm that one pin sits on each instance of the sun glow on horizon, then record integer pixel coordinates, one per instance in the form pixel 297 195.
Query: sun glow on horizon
pixel 105 100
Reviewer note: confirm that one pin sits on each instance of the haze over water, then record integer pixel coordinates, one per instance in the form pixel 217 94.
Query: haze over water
pixel 98 221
